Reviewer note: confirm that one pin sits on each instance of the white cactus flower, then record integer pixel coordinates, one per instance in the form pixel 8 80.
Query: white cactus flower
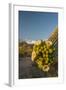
pixel 46 68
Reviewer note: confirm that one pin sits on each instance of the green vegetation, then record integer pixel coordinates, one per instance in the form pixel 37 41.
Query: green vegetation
pixel 42 54
pixel 25 49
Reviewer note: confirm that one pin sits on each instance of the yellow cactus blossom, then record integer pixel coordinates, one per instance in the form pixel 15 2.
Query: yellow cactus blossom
pixel 47 59
pixel 48 43
pixel 39 64
pixel 50 50
pixel 46 55
pixel 45 68
pixel 46 52
pixel 38 42
pixel 33 55
pixel 45 49
pixel 42 54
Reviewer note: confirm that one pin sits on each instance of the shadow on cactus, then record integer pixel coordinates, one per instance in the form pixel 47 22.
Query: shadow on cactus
pixel 42 54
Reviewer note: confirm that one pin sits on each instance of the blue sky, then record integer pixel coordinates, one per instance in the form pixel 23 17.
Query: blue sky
pixel 36 25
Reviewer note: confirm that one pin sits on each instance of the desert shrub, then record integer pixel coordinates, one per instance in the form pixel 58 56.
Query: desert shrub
pixel 21 51
pixel 25 50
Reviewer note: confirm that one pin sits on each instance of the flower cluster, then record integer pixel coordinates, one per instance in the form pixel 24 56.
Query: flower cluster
pixel 42 54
